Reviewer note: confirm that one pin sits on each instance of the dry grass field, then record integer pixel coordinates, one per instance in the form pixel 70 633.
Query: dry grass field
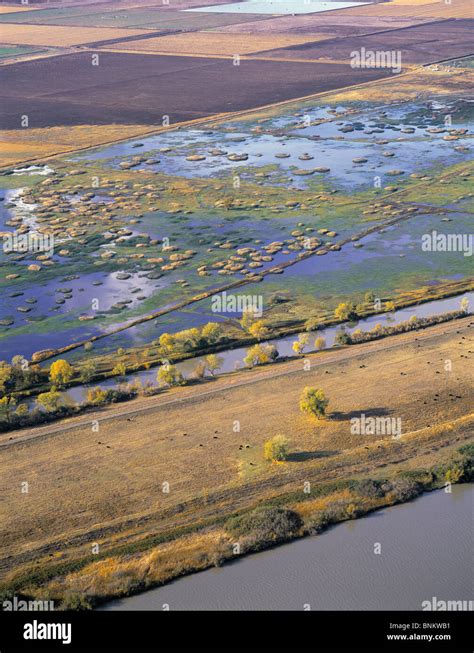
pixel 17 145
pixel 61 36
pixel 107 486
pixel 12 10
pixel 211 43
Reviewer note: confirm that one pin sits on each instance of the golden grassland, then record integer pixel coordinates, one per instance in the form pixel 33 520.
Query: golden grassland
pixel 17 145
pixel 61 36
pixel 438 79
pixel 213 43
pixel 13 10
pixel 107 486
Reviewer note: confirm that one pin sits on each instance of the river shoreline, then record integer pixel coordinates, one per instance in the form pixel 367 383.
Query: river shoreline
pixel 203 545
pixel 221 594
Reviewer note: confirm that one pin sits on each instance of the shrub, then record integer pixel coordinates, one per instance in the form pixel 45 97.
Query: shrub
pixel 276 449
pixel 454 474
pixel 404 489
pixel 75 601
pixel 265 524
pixel 97 396
pixel 345 311
pixel 88 371
pixel 343 338
pixel 119 370
pixel 368 488
pixel 314 402
pixel 467 450
pixel 311 324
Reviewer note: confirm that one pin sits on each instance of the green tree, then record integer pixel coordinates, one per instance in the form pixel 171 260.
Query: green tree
pixel 22 411
pixel 49 400
pixel 300 344
pixel 213 363
pixel 119 370
pixel 19 371
pixel 369 297
pixel 260 354
pixel 311 324
pixel 464 304
pixel 5 376
pixel 343 338
pixel 97 396
pixel 169 375
pixel 211 332
pixel 313 402
pixel 88 371
pixel 187 339
pixel 248 318
pixel 258 330
pixel 345 311
pixel 166 342
pixel 320 343
pixel 7 406
pixel 60 372
pixel 276 449
pixel 200 370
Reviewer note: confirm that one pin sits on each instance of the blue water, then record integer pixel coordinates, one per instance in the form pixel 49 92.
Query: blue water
pixel 278 7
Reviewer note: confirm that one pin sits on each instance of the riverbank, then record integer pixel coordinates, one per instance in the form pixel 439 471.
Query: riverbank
pixel 147 535
pixel 139 568
pixel 380 562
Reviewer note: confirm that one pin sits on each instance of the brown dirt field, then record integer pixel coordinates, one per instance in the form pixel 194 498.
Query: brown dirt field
pixel 211 43
pixel 340 25
pixel 68 90
pixel 104 486
pixel 59 36
pixel 457 9
pixel 420 44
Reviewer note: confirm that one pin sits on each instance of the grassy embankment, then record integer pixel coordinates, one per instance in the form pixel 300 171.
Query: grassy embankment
pixel 106 487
